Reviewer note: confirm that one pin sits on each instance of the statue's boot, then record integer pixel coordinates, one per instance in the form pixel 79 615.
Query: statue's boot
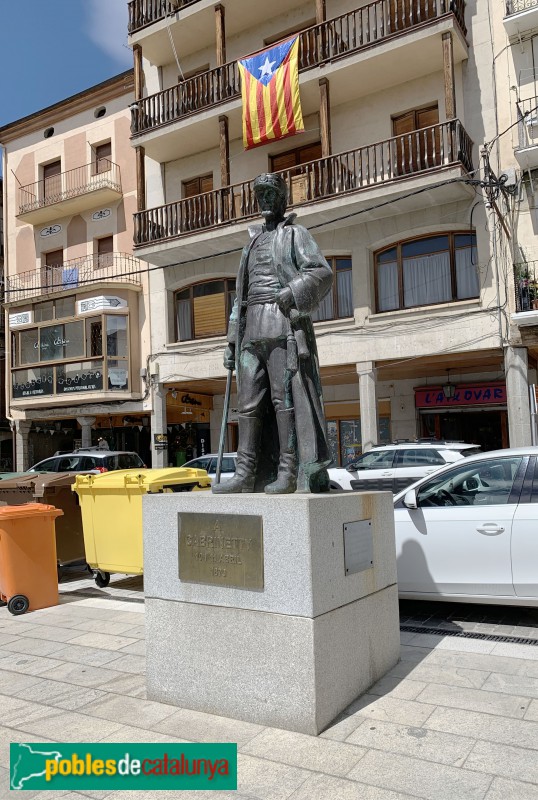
pixel 286 481
pixel 247 458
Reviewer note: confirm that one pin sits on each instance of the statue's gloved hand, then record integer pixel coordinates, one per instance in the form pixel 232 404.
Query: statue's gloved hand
pixel 229 357
pixel 284 299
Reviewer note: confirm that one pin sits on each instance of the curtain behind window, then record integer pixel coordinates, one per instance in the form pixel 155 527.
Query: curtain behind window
pixel 427 279
pixel 387 286
pixel 466 274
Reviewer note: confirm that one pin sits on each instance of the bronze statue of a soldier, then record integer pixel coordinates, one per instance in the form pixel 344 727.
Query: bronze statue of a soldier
pixel 282 279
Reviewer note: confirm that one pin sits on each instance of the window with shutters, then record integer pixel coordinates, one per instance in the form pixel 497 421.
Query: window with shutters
pixel 102 155
pixel 203 310
pixel 417 145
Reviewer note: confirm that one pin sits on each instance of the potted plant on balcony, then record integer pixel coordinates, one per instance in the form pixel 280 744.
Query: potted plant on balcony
pixel 527 287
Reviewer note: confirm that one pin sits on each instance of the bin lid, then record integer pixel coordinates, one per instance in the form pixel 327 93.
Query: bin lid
pixel 24 479
pixel 29 510
pixel 148 480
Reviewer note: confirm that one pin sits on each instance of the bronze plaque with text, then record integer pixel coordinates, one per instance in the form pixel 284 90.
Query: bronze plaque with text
pixel 221 549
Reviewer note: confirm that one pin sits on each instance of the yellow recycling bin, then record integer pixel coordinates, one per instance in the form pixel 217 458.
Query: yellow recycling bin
pixel 111 508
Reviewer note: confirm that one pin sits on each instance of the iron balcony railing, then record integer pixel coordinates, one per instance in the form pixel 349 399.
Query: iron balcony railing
pixel 427 149
pixel 515 6
pixel 527 111
pixel 103 174
pixel 526 286
pixel 328 41
pixel 72 274
pixel 145 12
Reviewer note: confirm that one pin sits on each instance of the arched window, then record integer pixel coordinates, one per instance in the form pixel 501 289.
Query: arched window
pixel 434 269
pixel 203 309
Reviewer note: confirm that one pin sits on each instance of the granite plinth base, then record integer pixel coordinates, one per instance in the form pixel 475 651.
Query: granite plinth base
pixel 293 654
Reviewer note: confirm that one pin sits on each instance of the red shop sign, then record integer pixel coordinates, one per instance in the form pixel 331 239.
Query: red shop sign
pixel 468 395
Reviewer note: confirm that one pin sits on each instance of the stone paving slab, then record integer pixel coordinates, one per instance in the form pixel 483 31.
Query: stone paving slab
pixel 455 719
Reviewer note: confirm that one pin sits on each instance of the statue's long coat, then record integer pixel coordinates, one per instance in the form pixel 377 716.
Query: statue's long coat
pixel 301 266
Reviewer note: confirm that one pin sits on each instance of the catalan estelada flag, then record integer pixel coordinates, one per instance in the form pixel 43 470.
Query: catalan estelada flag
pixel 270 92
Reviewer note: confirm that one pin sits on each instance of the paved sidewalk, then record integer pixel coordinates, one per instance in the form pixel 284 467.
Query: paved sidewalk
pixel 456 719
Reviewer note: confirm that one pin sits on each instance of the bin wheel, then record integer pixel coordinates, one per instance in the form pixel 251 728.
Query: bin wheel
pixel 18 604
pixel 102 579
pixel 88 569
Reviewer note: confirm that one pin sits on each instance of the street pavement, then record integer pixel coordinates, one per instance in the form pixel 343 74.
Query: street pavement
pixel 456 719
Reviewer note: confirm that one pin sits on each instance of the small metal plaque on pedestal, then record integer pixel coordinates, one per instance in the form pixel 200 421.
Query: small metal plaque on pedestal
pixel 221 549
pixel 358 546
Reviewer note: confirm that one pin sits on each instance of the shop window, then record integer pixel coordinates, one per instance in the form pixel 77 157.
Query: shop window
pixel 338 303
pixel 102 154
pixel 421 272
pixel 344 438
pixel 55 309
pixel 77 347
pixel 203 309
pixel 94 337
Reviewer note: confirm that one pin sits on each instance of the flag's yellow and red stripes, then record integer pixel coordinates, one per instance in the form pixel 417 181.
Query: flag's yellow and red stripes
pixel 273 111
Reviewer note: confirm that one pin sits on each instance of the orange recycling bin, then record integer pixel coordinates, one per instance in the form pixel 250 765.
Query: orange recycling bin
pixel 28 572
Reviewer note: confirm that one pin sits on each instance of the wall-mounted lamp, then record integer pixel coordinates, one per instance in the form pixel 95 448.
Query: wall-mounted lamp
pixel 448 388
pixel 174 394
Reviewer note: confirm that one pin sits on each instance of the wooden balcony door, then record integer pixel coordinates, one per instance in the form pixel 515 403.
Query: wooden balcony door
pixel 52 182
pixel 199 206
pixel 102 158
pixel 303 184
pixel 415 150
pixel 51 272
pixel 105 250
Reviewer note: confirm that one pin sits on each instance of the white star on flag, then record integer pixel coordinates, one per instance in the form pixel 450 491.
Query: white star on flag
pixel 266 68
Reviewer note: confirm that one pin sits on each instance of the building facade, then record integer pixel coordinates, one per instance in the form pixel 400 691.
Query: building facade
pixel 75 296
pixel 416 338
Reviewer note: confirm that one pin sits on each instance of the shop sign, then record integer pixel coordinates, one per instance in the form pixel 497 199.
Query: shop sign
pixel 160 441
pixel 102 303
pixel 83 381
pixel 22 318
pixel 35 387
pixel 467 395
pixel 188 399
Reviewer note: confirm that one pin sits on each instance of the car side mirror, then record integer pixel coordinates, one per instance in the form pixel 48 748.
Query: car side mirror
pixel 410 499
pixel 351 467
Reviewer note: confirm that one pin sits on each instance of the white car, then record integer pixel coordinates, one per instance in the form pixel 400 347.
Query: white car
pixel 209 463
pixel 392 467
pixel 470 531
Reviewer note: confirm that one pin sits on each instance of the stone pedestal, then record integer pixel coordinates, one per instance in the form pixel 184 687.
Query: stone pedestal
pixel 296 652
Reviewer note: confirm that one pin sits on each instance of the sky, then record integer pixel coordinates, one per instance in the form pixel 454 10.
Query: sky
pixel 52 49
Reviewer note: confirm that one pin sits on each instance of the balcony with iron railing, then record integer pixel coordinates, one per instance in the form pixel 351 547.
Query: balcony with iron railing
pixel 70 192
pixel 521 16
pixel 526 150
pixel 526 290
pixel 421 152
pixel 330 41
pixel 76 273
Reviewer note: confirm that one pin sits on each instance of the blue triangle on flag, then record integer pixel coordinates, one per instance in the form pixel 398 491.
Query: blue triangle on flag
pixel 263 65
